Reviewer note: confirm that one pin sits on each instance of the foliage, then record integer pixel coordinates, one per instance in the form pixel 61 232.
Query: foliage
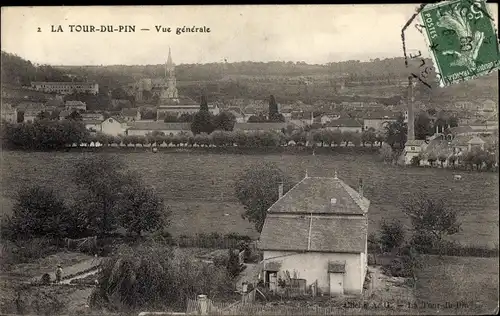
pixel 233 266
pixel 415 161
pixel 44 134
pixel 395 132
pixel 74 115
pixel 112 196
pixel 224 121
pixel 39 212
pixel 257 190
pixel 369 136
pixel 392 235
pixel 204 104
pixel 274 115
pixel 386 153
pixel 155 277
pixel 431 218
pixel 423 126
pixel 202 123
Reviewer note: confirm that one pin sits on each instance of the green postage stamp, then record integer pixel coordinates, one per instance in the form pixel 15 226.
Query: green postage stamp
pixel 462 39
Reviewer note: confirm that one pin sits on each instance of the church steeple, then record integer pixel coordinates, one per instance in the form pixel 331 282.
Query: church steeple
pixel 170 64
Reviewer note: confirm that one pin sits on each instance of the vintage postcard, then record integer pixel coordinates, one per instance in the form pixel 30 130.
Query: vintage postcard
pixel 250 160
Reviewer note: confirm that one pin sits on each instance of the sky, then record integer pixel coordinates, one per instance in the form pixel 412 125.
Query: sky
pixel 315 34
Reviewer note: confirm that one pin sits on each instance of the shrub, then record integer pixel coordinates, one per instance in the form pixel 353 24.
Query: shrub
pixel 392 235
pixel 45 279
pixel 156 277
pixel 415 161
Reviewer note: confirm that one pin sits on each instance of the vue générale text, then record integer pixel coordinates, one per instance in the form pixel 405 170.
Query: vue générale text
pixel 81 28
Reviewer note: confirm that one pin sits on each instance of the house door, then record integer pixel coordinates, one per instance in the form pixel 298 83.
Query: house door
pixel 273 281
pixel 336 283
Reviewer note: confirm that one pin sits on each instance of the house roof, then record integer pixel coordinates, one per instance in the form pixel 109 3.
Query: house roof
pixel 381 115
pixel 415 142
pixel 461 130
pixel 116 118
pixel 344 122
pixel 181 101
pixel 92 122
pixel 74 103
pixel 476 140
pixel 314 233
pixel 271 126
pixel 159 126
pixel 314 194
pixel 26 105
pixel 129 112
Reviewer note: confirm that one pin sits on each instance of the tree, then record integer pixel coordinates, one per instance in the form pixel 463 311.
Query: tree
pixel 75 116
pixel 423 126
pixel 415 160
pixel 392 235
pixel 395 132
pixel 386 153
pixel 112 196
pixel 224 121
pixel 257 190
pixel 233 265
pixel 204 104
pixel 141 209
pixel 43 115
pixel 40 212
pixel 202 123
pixel 431 218
pixel 273 108
pixel 431 158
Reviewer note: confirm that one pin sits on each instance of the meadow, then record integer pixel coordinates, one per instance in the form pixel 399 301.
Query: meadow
pixel 199 186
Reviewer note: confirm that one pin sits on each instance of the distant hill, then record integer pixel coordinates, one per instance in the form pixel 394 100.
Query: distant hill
pixel 20 72
pixel 288 81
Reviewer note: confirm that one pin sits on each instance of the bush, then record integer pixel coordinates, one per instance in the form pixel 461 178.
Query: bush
pixel 415 161
pixel 392 235
pixel 45 279
pixel 156 277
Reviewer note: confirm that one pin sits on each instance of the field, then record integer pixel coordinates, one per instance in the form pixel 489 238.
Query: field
pixel 470 282
pixel 199 187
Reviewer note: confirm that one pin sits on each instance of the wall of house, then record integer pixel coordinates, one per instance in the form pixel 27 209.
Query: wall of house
pixel 112 127
pixel 144 132
pixel 313 266
pixel 345 129
pixel 378 125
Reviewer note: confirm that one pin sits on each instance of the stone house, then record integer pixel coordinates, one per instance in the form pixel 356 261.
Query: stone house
pixel 317 233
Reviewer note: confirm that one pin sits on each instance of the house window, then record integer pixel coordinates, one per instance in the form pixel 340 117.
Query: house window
pixel 412 148
pixel 111 120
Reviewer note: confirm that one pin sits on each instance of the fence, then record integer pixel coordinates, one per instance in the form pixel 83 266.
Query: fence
pixel 350 308
pixel 81 244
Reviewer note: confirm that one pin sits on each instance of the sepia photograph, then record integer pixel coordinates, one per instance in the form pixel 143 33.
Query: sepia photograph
pixel 250 159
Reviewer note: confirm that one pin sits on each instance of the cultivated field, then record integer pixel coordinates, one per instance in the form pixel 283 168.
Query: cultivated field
pixel 199 187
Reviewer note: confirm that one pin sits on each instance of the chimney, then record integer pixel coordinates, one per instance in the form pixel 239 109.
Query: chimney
pixel 411 119
pixel 360 187
pixel 280 191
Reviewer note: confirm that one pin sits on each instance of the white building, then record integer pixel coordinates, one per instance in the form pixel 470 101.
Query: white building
pixel 113 126
pixel 144 128
pixel 317 232
pixel 66 87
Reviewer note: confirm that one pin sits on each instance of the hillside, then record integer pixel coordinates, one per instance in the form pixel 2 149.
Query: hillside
pixel 377 80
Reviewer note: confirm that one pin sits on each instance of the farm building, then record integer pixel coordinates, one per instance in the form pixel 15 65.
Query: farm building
pixel 413 148
pixel 259 127
pixel 317 233
pixel 113 126
pixel 144 128
pixel 346 125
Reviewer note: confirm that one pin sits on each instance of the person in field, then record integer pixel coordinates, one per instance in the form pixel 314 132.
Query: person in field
pixel 58 274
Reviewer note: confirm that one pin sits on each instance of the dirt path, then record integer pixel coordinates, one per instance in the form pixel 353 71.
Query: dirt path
pixel 250 275
pixel 81 266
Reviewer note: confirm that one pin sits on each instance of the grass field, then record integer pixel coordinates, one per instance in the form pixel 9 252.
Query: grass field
pixel 199 187
pixel 471 282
